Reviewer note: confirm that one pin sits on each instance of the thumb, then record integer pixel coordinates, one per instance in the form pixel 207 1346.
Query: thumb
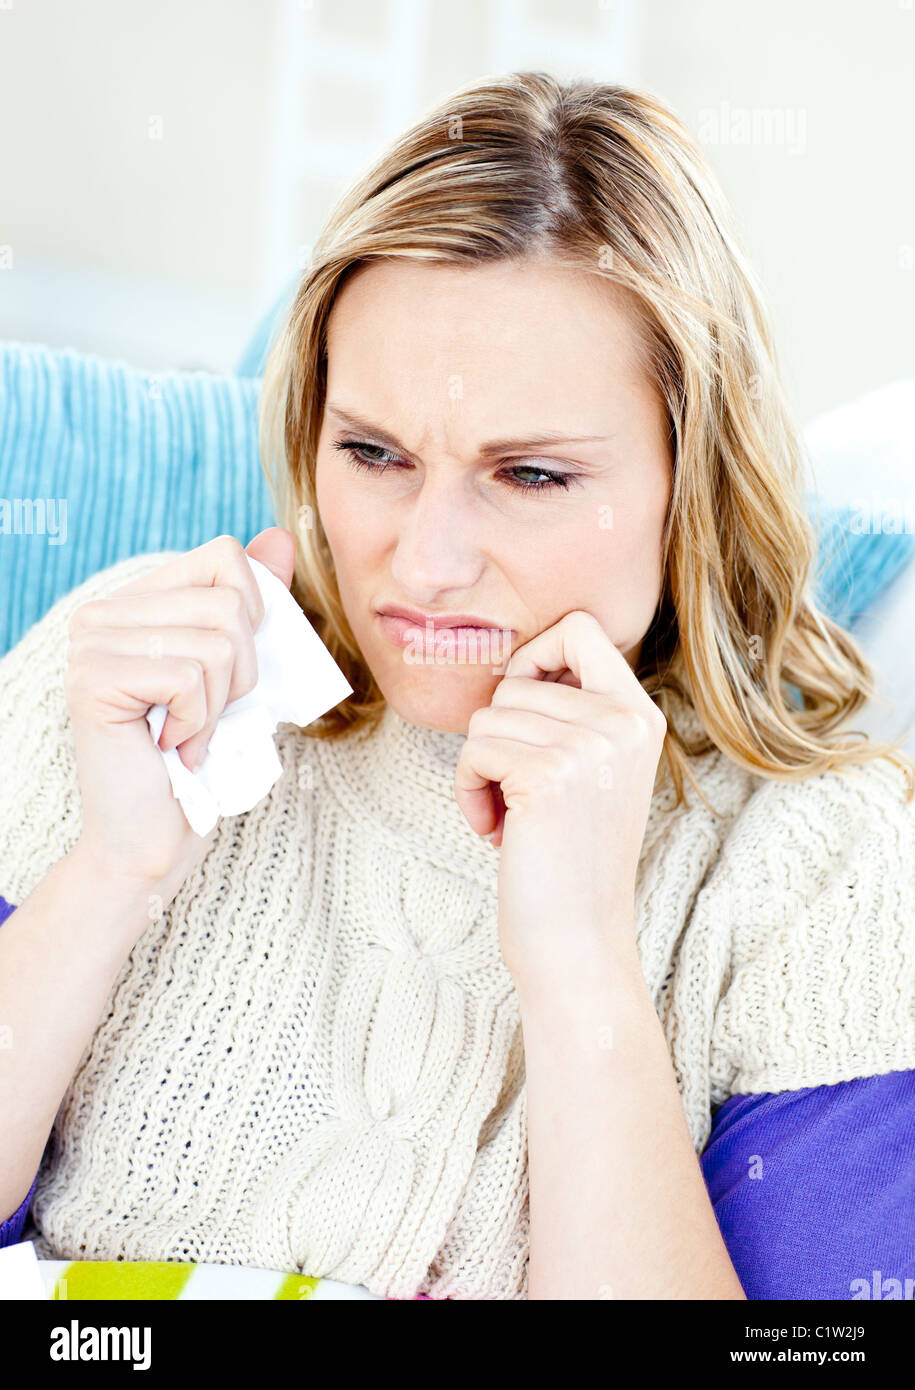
pixel 274 548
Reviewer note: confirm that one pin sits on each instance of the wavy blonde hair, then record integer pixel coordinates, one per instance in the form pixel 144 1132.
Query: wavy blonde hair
pixel 607 179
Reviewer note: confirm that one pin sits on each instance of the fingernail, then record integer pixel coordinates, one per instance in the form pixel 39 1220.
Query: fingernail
pixel 199 760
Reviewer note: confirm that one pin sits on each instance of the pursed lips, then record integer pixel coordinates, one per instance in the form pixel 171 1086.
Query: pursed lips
pixel 440 621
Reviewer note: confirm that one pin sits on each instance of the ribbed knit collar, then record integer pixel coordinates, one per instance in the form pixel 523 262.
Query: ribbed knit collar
pixel 401 776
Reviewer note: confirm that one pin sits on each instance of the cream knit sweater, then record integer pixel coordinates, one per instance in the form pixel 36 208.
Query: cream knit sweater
pixel 313 1061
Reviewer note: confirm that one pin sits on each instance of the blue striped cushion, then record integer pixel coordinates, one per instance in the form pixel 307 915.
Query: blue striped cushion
pixel 143 462
pixel 853 566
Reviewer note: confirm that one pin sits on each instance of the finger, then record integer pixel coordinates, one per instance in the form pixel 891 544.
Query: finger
pixel 579 644
pixel 559 701
pixel 479 796
pixel 474 791
pixel 521 728
pixel 212 649
pixel 275 548
pixel 221 561
pixel 218 608
pixel 532 726
pixel 211 646
pixel 484 762
pixel 536 713
pixel 116 690
pixel 174 732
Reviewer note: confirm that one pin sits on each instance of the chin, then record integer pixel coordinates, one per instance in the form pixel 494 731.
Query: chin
pixel 441 698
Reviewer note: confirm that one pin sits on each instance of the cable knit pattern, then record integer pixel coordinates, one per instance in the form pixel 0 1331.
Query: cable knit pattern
pixel 313 1060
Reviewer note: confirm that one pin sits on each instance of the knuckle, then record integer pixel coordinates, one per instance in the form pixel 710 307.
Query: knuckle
pixel 638 725
pixel 580 619
pixel 556 765
pixel 223 648
pixel 644 728
pixel 248 676
pixel 592 744
pixel 227 545
pixel 73 677
pixel 188 676
pixel 479 721
pixel 506 691
pixel 232 603
pixel 82 618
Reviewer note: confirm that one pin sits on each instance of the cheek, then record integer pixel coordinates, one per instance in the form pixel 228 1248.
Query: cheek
pixel 636 524
pixel 345 517
pixel 608 565
pixel 604 546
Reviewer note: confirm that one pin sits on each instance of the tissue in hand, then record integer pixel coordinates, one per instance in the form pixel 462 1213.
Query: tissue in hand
pixel 297 681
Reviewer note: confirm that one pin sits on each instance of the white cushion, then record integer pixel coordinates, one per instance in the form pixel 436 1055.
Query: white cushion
pixel 863 457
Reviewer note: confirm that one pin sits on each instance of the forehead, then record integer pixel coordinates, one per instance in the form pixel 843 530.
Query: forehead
pixel 497 337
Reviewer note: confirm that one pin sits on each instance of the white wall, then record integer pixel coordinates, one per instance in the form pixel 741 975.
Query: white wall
pixel 132 136
pixel 160 242
pixel 832 227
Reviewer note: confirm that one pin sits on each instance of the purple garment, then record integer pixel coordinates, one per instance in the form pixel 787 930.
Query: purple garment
pixel 812 1189
pixel 11 1230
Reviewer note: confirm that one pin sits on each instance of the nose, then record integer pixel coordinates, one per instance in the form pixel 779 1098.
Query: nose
pixel 438 548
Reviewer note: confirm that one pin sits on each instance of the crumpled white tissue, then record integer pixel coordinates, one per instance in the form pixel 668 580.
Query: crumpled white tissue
pixel 297 681
pixel 20 1273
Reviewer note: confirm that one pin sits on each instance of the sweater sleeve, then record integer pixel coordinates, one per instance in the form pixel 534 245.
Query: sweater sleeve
pixel 40 807
pixel 814 1190
pixel 11 1229
pixel 816 884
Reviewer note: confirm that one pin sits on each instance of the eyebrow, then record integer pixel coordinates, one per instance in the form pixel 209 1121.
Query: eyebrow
pixel 492 449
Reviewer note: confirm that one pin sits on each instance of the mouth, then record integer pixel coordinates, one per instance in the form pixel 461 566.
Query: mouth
pixel 418 618
pixel 410 627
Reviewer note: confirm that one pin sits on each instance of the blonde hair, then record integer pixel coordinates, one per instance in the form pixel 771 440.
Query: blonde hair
pixel 606 178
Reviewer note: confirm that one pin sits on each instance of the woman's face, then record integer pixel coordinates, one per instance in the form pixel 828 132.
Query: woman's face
pixel 465 392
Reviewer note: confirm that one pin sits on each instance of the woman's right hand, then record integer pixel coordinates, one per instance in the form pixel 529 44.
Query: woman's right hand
pixel 181 636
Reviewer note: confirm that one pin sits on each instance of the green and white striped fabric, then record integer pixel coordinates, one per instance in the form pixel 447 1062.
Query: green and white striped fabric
pixel 142 1279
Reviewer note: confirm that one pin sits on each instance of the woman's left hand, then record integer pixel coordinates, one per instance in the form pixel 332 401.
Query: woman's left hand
pixel 560 768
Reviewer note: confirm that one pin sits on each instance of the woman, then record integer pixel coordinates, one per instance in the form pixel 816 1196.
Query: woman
pixel 452 1011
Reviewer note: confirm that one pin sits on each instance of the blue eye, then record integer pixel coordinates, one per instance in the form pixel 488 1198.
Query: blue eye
pixel 553 479
pixel 372 458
